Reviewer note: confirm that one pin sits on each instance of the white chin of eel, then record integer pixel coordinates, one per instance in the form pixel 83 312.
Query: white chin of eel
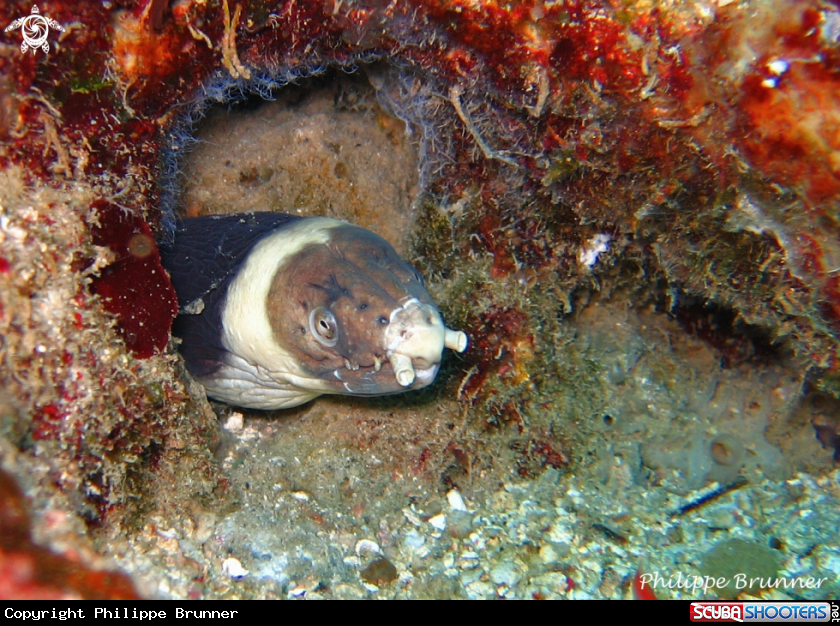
pixel 277 309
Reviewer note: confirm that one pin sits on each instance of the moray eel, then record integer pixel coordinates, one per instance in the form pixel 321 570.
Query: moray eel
pixel 275 310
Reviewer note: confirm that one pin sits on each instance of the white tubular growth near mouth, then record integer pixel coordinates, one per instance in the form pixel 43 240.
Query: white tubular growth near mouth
pixel 403 369
pixel 455 340
pixel 416 331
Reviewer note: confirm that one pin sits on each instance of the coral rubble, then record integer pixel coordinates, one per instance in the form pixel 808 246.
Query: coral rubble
pixel 31 572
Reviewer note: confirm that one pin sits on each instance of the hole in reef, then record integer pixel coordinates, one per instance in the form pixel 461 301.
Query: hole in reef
pixel 323 147
pixel 721 328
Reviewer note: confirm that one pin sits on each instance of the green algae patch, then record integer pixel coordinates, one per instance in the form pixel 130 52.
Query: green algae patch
pixel 742 564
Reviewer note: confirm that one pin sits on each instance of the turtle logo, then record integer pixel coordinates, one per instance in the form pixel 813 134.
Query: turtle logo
pixel 35 28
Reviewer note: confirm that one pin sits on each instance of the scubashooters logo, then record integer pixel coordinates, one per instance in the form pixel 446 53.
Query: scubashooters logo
pixel 35 29
pixel 762 612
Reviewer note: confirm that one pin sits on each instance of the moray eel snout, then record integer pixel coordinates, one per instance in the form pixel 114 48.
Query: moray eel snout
pixel 415 339
pixel 276 310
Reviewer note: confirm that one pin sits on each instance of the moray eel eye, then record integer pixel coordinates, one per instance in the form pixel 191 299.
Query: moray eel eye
pixel 323 326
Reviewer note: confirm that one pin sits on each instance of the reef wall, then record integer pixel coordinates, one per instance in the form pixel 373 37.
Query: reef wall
pixel 685 153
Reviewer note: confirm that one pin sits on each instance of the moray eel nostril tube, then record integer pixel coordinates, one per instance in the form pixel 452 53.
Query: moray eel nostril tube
pixel 276 310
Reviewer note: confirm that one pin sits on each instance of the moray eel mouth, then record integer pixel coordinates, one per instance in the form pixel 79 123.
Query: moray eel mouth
pixel 414 339
pixel 276 310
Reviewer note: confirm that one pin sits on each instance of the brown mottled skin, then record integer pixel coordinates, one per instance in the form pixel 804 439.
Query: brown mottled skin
pixel 361 279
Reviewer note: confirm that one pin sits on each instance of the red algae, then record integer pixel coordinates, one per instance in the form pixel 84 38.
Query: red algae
pixel 134 286
pixel 501 346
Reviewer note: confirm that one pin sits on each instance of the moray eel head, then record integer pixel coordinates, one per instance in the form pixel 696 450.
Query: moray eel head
pixel 358 317
pixel 276 310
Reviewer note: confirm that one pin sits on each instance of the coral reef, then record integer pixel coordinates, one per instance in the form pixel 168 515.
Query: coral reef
pixel 681 158
pixel 30 572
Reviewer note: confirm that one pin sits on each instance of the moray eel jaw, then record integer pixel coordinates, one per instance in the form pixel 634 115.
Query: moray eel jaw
pixel 276 310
